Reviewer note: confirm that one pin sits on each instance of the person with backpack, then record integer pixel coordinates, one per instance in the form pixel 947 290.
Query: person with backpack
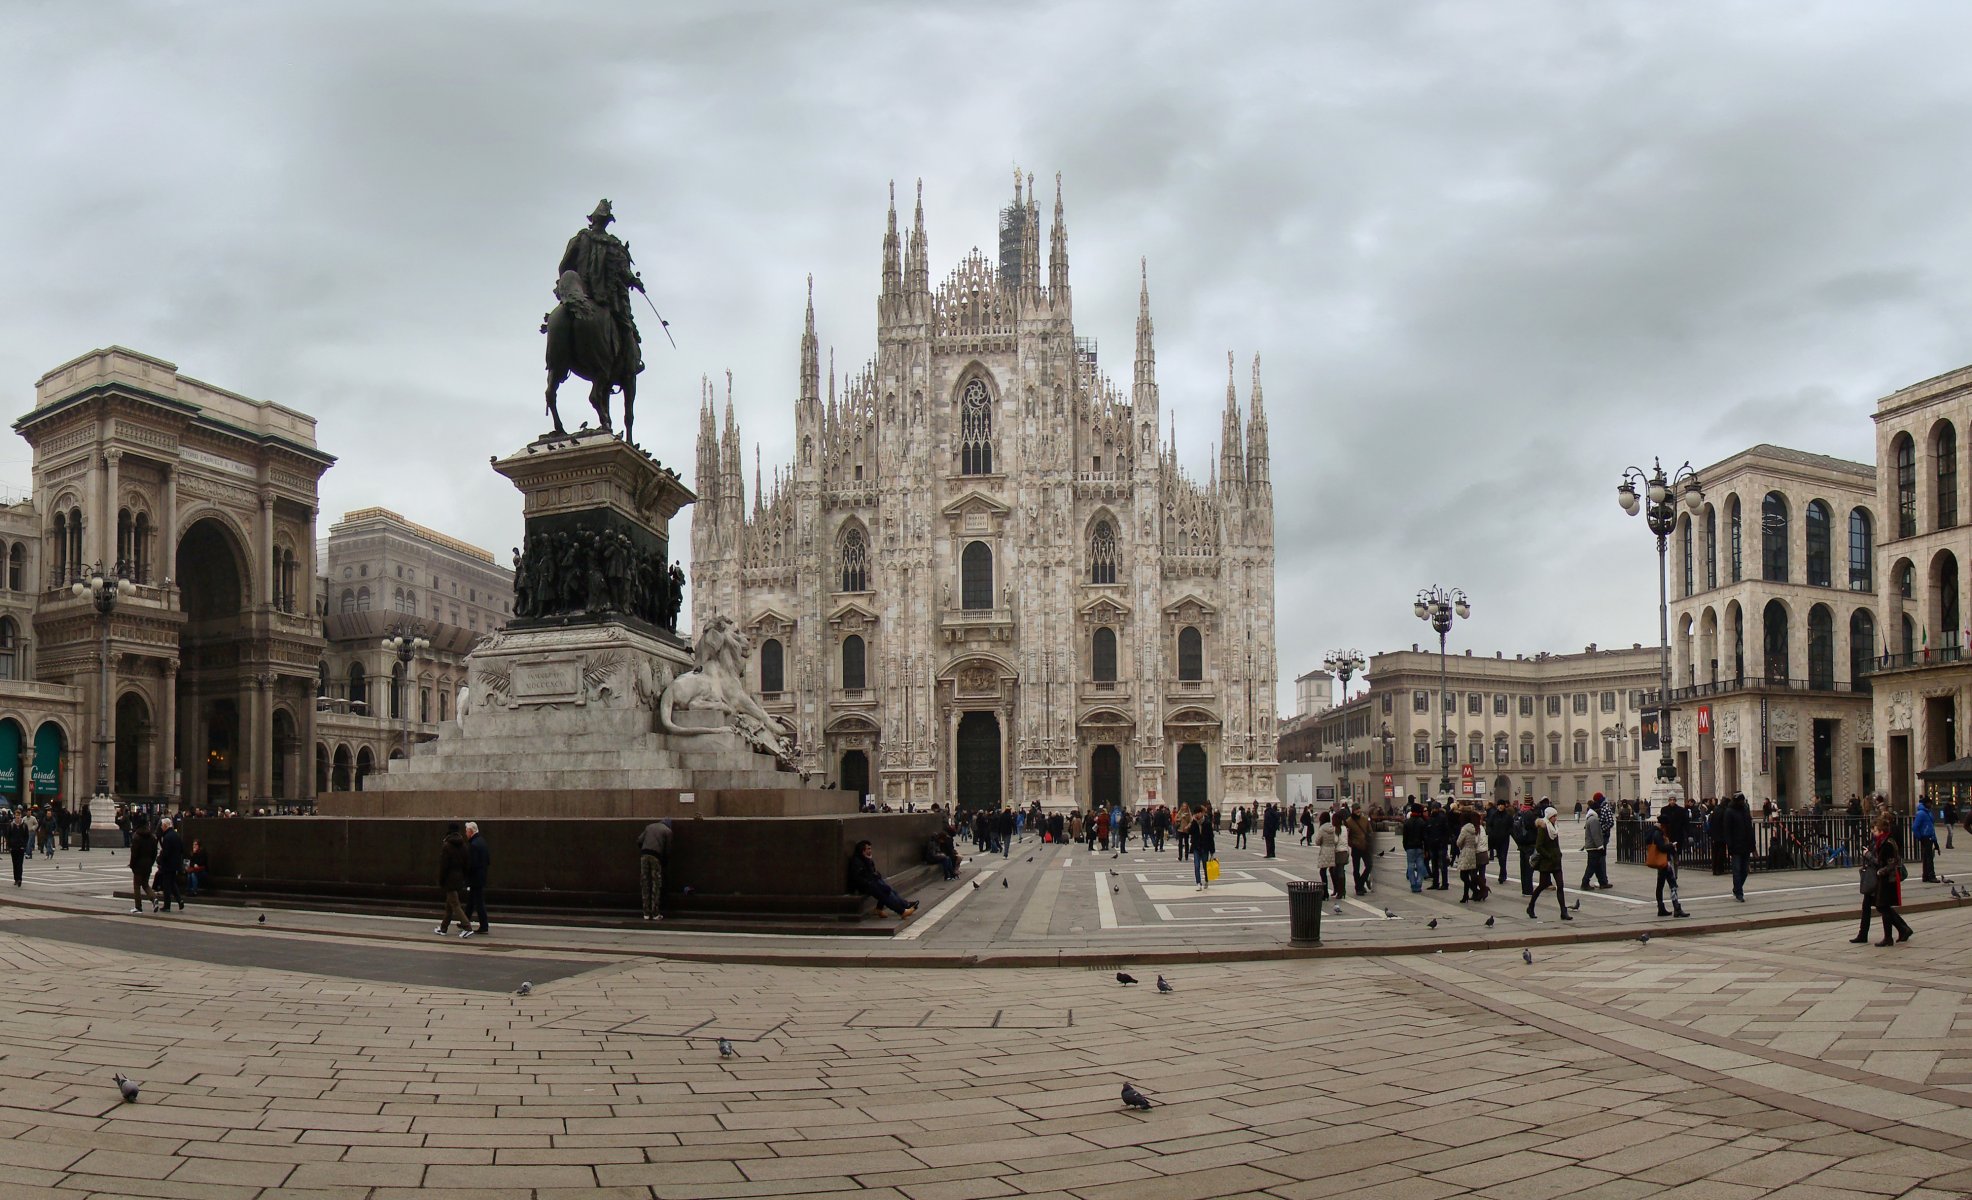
pixel 1924 832
pixel 1595 839
pixel 1413 836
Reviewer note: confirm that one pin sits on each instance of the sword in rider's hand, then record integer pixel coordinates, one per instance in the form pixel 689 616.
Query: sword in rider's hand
pixel 662 323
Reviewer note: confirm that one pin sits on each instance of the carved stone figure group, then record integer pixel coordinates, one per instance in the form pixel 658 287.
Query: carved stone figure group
pixel 571 572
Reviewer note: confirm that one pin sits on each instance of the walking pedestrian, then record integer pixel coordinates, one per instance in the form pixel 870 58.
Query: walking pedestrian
pixel 16 842
pixel 1523 840
pixel 1361 835
pixel 1595 840
pixel 1499 831
pixel 170 859
pixel 452 878
pixel 1889 889
pixel 1471 876
pixel 1660 853
pixel 479 863
pixel 1924 832
pixel 143 855
pixel 1270 828
pixel 1438 834
pixel 1412 834
pixel 1330 845
pixel 1547 862
pixel 1738 826
pixel 653 850
pixel 1204 846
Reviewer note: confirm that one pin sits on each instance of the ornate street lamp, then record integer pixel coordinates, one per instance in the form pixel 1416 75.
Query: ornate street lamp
pixel 1659 505
pixel 1439 606
pixel 103 589
pixel 1346 664
pixel 406 641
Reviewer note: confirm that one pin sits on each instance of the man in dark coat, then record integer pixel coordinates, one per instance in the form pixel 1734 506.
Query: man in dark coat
pixel 1437 836
pixel 452 863
pixel 16 842
pixel 1738 821
pixel 1499 831
pixel 479 860
pixel 1270 827
pixel 170 857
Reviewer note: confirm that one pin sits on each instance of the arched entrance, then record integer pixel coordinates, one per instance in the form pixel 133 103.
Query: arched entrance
pixel 339 778
pixel 215 669
pixel 366 762
pixel 133 735
pixel 1502 788
pixel 321 768
pixel 50 764
pixel 1193 787
pixel 13 760
pixel 853 775
pixel 1105 777
pixel 977 762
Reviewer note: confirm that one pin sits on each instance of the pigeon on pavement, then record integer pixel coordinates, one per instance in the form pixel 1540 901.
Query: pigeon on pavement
pixel 1164 986
pixel 525 988
pixel 1643 938
pixel 1489 922
pixel 975 885
pixel 124 1085
pixel 1388 913
pixel 1124 979
pixel 1135 1098
pixel 1576 907
pixel 1003 883
pixel 1527 956
pixel 726 1049
pixel 263 918
pixel 1432 924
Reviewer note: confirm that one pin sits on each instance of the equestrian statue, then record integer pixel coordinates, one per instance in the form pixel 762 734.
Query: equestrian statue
pixel 591 331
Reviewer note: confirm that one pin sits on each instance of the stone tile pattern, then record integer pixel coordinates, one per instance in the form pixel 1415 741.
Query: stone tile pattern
pixel 1783 1064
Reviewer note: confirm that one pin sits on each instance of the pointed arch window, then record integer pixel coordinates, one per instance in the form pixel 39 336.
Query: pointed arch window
pixel 976 576
pixel 1820 571
pixel 1103 655
pixel 1861 574
pixel 855 560
pixel 975 430
pixel 852 663
pixel 772 666
pixel 1191 654
pixel 1102 553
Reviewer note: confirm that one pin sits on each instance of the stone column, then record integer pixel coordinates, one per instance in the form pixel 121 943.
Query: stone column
pixel 261 759
pixel 168 526
pixel 264 592
pixel 93 489
pixel 167 741
pixel 305 586
pixel 112 461
pixel 191 757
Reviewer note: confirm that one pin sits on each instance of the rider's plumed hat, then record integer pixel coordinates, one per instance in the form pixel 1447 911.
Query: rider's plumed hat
pixel 603 211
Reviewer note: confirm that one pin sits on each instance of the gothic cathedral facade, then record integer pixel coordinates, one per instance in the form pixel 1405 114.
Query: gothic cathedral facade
pixel 983 580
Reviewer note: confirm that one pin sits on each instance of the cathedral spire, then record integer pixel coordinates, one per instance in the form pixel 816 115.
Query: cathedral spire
pixel 1143 388
pixel 1058 252
pixel 893 275
pixel 1232 468
pixel 810 366
pixel 707 481
pixel 1258 474
pixel 757 490
pixel 1030 244
pixel 918 279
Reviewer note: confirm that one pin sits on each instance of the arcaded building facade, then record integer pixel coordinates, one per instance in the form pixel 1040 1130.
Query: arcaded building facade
pixel 206 501
pixel 983 579
pixel 1774 631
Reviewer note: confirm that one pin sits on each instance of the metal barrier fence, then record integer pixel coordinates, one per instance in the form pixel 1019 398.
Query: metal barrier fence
pixel 1790 843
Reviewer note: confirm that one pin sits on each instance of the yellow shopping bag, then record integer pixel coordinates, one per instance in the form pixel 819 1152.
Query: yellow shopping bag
pixel 1211 870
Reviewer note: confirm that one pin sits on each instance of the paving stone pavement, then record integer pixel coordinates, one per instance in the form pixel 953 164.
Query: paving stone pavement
pixel 1780 1063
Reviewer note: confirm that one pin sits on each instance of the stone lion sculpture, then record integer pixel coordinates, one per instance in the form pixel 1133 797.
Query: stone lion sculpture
pixel 717 683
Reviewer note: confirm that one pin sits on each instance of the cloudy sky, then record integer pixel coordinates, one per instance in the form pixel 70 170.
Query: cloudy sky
pixel 1491 253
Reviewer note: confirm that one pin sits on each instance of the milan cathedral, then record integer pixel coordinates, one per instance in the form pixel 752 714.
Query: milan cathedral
pixel 982 580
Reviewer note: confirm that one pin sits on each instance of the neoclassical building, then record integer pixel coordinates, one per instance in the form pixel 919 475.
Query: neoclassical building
pixel 982 579
pixel 1774 631
pixel 205 499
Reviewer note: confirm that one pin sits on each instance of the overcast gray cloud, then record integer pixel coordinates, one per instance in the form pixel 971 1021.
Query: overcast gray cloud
pixel 1491 253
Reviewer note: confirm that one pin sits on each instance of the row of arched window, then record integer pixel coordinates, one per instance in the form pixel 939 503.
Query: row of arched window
pixel 855 654
pixel 975 564
pixel 1944 474
pixel 1774 554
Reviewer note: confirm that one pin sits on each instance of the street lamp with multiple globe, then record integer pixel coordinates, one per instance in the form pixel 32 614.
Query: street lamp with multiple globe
pixel 1438 606
pixel 103 588
pixel 1656 496
pixel 406 642
pixel 1346 664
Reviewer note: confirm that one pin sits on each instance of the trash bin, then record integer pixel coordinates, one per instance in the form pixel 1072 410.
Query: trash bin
pixel 1304 909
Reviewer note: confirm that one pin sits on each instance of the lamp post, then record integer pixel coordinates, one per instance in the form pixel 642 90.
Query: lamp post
pixel 1346 664
pixel 1621 736
pixel 1659 505
pixel 1439 606
pixel 406 641
pixel 103 589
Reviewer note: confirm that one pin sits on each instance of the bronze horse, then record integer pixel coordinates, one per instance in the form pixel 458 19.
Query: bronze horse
pixel 583 340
